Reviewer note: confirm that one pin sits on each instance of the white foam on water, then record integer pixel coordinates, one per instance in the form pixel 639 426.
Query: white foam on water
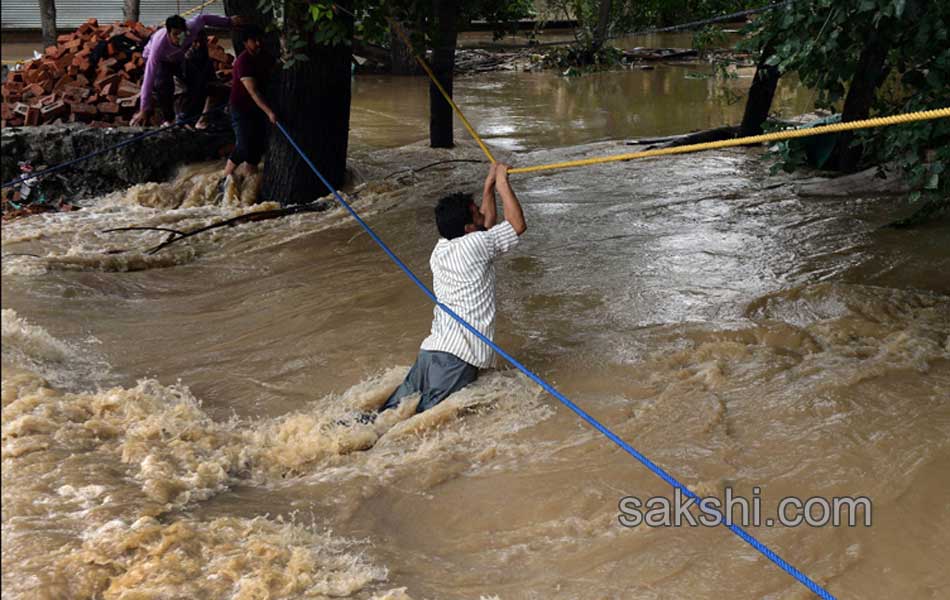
pixel 119 464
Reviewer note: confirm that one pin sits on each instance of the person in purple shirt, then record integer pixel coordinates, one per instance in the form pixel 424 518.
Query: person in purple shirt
pixel 165 55
pixel 250 112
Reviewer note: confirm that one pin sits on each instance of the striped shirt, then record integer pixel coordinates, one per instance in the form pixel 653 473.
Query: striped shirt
pixel 463 278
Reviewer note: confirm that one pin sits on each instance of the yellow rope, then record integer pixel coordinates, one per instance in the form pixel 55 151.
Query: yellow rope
pixel 425 67
pixel 925 115
pixel 197 8
pixel 755 139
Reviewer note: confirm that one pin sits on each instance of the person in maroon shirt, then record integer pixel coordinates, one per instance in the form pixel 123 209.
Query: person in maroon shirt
pixel 249 110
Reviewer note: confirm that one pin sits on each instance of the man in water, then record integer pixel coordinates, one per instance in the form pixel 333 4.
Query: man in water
pixel 250 112
pixel 165 55
pixel 463 279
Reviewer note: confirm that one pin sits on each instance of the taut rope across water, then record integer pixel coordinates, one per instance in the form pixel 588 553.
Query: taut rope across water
pixel 656 469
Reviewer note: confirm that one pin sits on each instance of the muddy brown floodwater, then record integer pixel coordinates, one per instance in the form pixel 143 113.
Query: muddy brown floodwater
pixel 526 111
pixel 170 420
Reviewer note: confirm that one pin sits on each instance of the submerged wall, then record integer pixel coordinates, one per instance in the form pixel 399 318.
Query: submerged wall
pixel 150 159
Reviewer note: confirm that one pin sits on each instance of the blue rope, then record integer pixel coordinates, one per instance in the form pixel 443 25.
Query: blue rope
pixel 84 157
pixel 762 548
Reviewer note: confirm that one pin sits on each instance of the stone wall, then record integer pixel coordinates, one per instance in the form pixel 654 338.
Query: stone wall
pixel 152 159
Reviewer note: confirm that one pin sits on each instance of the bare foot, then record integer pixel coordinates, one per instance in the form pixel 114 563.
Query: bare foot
pixel 202 124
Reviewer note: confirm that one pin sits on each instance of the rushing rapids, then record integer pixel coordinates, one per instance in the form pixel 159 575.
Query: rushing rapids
pixel 171 421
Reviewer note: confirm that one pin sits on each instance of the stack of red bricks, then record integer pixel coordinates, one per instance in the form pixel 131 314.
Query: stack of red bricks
pixel 67 84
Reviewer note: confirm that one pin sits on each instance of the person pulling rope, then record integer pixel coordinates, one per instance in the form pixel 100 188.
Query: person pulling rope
pixel 480 336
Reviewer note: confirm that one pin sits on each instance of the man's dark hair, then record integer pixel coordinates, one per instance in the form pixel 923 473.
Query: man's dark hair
pixel 452 214
pixel 252 32
pixel 176 22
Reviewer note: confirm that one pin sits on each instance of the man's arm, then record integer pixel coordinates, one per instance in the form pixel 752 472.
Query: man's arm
pixel 513 212
pixel 145 93
pixel 251 85
pixel 488 208
pixel 199 22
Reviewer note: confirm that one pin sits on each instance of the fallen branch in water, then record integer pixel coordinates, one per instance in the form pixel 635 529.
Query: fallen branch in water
pixel 318 206
pixel 441 162
pixel 143 228
pixel 697 137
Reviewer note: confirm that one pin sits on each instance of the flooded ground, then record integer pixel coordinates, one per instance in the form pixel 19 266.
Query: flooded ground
pixel 527 111
pixel 170 420
pixel 20 45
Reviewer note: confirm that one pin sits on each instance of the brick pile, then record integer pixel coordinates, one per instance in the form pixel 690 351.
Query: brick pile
pixel 75 82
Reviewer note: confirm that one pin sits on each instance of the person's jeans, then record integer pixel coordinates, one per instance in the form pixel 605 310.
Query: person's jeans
pixel 194 77
pixel 250 136
pixel 436 375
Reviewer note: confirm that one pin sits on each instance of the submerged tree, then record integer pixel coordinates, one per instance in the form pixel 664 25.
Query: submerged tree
pixel 312 99
pixel 872 57
pixel 444 36
pixel 48 22
pixel 401 58
pixel 311 94
pixel 761 93
pixel 598 21
pixel 437 29
pixel 130 10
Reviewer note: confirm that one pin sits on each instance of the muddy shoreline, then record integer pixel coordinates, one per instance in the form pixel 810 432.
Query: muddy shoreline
pixel 535 58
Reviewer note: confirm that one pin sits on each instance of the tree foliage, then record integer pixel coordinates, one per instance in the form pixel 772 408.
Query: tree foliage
pixel 823 40
pixel 319 21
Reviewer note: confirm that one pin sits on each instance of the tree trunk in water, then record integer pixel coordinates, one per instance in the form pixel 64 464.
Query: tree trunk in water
pixel 444 37
pixel 761 93
pixel 48 22
pixel 130 10
pixel 313 104
pixel 603 23
pixel 868 76
pixel 400 55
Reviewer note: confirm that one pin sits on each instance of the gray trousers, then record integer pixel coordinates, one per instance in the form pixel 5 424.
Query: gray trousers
pixel 436 375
